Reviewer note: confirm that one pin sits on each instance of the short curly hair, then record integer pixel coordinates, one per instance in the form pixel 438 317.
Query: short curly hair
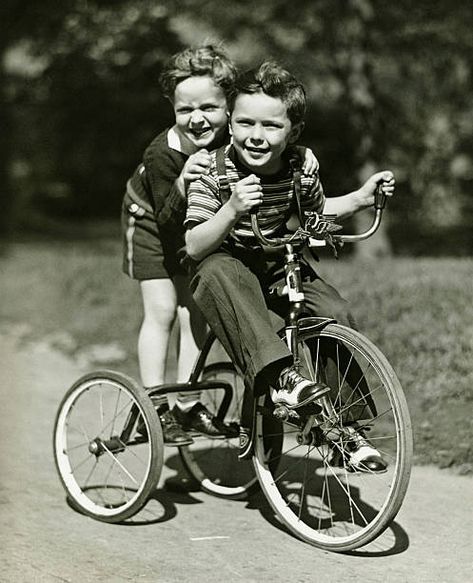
pixel 205 60
pixel 273 80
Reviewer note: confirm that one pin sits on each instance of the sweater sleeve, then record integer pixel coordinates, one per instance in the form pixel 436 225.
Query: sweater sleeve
pixel 163 167
pixel 173 210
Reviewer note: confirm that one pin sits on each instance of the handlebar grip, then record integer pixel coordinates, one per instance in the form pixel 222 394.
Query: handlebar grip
pixel 379 198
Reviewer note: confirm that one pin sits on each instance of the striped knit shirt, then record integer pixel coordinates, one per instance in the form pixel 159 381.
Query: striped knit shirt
pixel 205 197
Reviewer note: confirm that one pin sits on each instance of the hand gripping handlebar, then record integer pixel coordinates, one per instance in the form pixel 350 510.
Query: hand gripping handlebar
pixel 320 235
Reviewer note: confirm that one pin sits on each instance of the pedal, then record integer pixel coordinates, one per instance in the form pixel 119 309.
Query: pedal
pixel 283 413
pixel 313 408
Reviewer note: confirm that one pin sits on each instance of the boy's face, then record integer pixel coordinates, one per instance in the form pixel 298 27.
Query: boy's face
pixel 201 111
pixel 261 131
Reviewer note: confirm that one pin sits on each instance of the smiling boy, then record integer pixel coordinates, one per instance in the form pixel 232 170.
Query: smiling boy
pixel 233 274
pixel 196 82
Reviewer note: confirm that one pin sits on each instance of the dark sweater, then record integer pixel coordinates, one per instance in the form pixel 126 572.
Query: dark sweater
pixel 163 166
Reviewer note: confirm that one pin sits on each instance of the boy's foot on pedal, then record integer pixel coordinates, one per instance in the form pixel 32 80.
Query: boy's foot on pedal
pixel 173 434
pixel 358 453
pixel 363 457
pixel 201 420
pixel 296 390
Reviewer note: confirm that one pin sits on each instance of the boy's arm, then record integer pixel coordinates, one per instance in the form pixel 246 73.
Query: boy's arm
pixel 173 209
pixel 349 204
pixel 310 164
pixel 163 167
pixel 205 236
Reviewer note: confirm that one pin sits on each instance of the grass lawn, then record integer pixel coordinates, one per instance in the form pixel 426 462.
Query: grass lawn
pixel 418 311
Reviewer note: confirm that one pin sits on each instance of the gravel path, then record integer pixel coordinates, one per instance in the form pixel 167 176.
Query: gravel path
pixel 190 537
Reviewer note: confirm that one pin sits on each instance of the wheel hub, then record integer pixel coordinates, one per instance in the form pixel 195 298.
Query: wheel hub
pixel 99 446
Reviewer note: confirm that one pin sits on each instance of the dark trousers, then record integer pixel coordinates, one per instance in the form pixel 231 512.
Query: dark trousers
pixel 232 292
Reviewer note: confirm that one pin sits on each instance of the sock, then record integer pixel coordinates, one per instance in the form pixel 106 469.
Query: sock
pixel 185 401
pixel 158 400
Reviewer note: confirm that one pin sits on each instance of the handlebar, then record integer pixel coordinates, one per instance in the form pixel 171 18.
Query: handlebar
pixel 317 239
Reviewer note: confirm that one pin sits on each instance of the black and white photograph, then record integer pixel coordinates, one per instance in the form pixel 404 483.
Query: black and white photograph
pixel 236 282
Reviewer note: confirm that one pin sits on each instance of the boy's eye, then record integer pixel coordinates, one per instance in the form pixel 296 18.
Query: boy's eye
pixel 244 122
pixel 209 108
pixel 183 110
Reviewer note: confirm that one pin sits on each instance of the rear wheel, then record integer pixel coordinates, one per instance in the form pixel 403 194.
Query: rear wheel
pixel 107 467
pixel 213 462
pixel 311 483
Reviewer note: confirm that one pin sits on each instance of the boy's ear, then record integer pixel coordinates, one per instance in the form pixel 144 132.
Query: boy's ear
pixel 296 131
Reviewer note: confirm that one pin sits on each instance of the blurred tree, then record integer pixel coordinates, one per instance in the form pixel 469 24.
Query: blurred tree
pixel 104 97
pixel 430 122
pixel 389 84
pixel 82 84
pixel 20 20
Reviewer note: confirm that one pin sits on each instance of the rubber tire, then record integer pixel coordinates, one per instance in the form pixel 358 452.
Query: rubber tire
pixel 404 453
pixel 155 440
pixel 209 484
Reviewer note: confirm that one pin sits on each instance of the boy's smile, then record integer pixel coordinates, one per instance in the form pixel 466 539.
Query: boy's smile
pixel 261 131
pixel 200 107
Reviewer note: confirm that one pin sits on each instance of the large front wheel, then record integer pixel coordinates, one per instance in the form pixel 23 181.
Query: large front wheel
pixel 312 483
pixel 108 446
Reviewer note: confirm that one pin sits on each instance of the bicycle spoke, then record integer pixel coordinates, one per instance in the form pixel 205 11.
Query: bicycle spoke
pixel 93 469
pixel 302 495
pixel 101 407
pixel 107 477
pixel 314 489
pixel 115 413
pixel 371 393
pixel 78 465
pixel 119 464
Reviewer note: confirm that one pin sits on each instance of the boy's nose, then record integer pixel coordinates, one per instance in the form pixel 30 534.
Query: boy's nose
pixel 196 117
pixel 257 134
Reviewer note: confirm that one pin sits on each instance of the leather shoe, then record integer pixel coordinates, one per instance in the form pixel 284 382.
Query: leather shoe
pixel 363 456
pixel 173 434
pixel 359 454
pixel 201 420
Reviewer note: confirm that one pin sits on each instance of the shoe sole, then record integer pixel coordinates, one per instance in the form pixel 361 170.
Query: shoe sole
pixel 179 444
pixel 366 470
pixel 198 434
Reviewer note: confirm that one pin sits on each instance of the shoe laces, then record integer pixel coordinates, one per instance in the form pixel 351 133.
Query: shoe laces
pixel 357 440
pixel 205 414
pixel 168 419
pixel 289 379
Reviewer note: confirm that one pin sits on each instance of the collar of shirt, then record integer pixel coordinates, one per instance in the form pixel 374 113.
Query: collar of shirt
pixel 177 142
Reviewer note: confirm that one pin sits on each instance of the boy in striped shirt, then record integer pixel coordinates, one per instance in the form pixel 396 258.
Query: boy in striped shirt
pixel 233 274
